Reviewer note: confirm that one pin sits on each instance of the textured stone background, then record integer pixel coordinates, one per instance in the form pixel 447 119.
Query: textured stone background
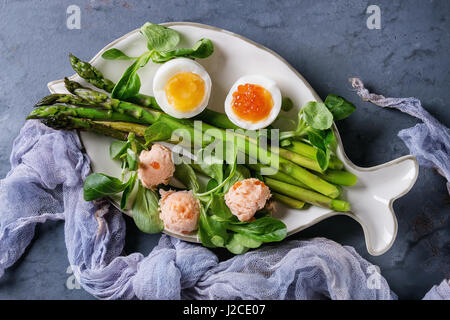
pixel 328 42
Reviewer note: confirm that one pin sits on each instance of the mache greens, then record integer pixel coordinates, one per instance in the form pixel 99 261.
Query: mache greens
pixel 314 124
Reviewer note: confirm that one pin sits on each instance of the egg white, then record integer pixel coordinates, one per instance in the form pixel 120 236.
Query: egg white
pixel 267 84
pixel 166 72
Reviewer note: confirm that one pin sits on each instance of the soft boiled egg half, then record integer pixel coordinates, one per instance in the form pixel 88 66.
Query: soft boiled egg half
pixel 182 88
pixel 254 102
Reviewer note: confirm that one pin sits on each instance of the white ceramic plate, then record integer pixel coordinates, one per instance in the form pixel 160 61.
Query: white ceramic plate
pixel 234 56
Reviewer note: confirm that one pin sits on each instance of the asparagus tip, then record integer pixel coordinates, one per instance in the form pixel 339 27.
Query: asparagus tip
pixel 73 60
pixel 71 85
pixel 340 205
pixel 33 115
pixel 50 99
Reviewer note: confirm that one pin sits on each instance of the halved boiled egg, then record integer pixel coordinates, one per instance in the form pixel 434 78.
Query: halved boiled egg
pixel 182 88
pixel 253 102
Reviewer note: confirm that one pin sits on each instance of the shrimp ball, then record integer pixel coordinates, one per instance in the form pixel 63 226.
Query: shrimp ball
pixel 155 166
pixel 246 197
pixel 179 210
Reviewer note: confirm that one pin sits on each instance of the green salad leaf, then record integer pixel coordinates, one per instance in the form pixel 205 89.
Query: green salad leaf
pixel 132 160
pixel 145 211
pixel 212 233
pixel 201 49
pixel 160 38
pixel 285 143
pixel 186 175
pixel 235 246
pixel 323 158
pixel 317 115
pixel 129 84
pixel 127 191
pixel 320 138
pixel 211 184
pixel 266 229
pixel 116 54
pixel 239 243
pixel 159 131
pixel 314 124
pixel 117 148
pixel 339 107
pixel 246 241
pixel 220 210
pixel 210 165
pixel 223 183
pixel 99 185
pixel 126 151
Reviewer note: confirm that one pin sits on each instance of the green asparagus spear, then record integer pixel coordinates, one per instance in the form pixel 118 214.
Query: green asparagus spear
pixel 305 195
pixel 335 163
pixel 69 123
pixel 137 129
pixel 217 119
pixel 303 149
pixel 62 98
pixel 280 176
pixel 312 181
pixel 343 178
pixel 309 151
pixel 58 110
pixel 92 75
pixel 99 99
pixel 300 160
pixel 334 176
pixel 290 202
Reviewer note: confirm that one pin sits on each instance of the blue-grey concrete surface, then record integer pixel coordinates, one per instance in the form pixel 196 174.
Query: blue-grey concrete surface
pixel 327 41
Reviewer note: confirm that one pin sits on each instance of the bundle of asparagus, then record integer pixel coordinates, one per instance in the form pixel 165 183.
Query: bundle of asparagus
pixel 300 178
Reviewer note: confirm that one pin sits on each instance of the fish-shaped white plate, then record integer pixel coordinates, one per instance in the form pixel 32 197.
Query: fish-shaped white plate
pixel 234 56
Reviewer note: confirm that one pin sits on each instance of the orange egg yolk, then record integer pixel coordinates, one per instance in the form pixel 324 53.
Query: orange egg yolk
pixel 252 102
pixel 185 91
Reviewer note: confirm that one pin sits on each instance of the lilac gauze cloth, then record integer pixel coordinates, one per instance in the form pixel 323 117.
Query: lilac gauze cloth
pixel 45 182
pixel 428 141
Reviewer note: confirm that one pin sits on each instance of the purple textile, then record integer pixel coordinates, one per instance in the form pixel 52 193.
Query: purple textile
pixel 440 292
pixel 428 141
